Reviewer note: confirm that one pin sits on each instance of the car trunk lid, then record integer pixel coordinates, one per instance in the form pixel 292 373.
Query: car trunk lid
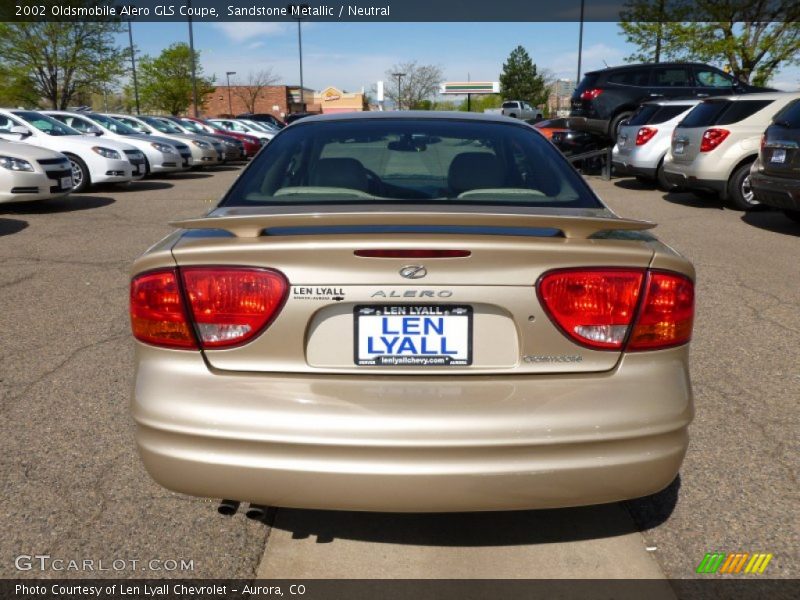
pixel 341 295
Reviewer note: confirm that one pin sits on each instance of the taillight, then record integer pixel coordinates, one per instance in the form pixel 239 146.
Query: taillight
pixel 667 312
pixel 599 308
pixel 412 253
pixel 591 94
pixel 644 135
pixel 227 305
pixel 763 140
pixel 713 138
pixel 158 314
pixel 232 305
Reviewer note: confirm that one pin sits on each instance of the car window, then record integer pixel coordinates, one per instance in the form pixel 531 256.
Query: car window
pixel 6 123
pixel 704 114
pixel 192 126
pixel 790 115
pixel 76 123
pixel 665 113
pixel 712 78
pixel 114 125
pixel 638 77
pixel 395 160
pixel 161 125
pixel 133 124
pixel 739 111
pixel 509 105
pixel 46 124
pixel 671 77
pixel 643 114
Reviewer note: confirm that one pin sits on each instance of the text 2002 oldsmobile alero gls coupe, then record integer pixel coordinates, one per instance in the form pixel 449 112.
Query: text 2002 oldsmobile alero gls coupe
pixel 412 312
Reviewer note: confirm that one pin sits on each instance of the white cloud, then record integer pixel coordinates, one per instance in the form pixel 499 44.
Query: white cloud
pixel 255 45
pixel 241 31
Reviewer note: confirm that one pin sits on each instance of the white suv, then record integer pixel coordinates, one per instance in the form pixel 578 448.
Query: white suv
pixel 32 173
pixel 715 144
pixel 644 139
pixel 93 161
pixel 160 155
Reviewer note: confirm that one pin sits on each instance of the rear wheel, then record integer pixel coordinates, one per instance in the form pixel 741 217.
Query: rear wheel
pixel 794 215
pixel 616 122
pixel 80 173
pixel 740 192
pixel 513 115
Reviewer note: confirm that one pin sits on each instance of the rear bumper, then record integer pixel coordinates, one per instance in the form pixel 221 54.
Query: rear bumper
pixel 419 444
pixel 632 170
pixel 780 192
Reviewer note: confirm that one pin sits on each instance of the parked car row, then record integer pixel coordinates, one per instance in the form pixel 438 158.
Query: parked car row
pixel 48 154
pixel 740 148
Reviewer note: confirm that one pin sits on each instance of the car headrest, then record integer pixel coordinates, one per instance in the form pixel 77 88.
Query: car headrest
pixel 341 173
pixel 475 171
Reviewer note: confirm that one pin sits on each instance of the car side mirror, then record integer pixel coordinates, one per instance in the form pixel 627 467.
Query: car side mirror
pixel 94 131
pixel 21 131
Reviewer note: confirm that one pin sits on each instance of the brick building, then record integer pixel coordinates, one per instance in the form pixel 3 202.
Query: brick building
pixel 278 100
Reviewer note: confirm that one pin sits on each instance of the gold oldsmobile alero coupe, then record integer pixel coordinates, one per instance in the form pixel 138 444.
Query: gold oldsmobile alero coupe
pixel 412 312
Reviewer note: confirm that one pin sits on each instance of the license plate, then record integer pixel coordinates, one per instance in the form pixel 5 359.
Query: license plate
pixel 778 155
pixel 679 148
pixel 66 183
pixel 418 335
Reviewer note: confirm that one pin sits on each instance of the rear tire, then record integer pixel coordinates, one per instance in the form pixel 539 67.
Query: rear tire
pixel 644 180
pixel 740 194
pixel 80 174
pixel 661 179
pixel 613 128
pixel 794 215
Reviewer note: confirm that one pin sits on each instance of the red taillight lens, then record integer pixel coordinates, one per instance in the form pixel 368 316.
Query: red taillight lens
pixel 598 307
pixel 232 305
pixel 591 94
pixel 412 253
pixel 713 138
pixel 667 313
pixel 158 315
pixel 593 307
pixel 229 305
pixel 644 135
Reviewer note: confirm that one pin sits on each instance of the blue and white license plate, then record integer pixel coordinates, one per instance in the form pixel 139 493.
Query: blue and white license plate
pixel 419 335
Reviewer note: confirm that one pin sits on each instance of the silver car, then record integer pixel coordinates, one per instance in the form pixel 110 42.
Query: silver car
pixel 643 140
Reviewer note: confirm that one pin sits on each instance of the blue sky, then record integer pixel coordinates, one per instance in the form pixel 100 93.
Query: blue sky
pixel 355 55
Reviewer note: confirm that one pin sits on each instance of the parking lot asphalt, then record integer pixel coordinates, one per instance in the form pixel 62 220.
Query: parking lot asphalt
pixel 73 486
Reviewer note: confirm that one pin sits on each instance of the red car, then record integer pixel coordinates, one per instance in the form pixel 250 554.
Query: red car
pixel 251 143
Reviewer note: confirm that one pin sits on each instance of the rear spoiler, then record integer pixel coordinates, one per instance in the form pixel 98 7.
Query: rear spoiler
pixel 252 226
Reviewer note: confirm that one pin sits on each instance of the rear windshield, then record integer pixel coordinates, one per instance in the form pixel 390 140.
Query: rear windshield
pixel 509 105
pixel 789 116
pixel 653 114
pixel 724 112
pixel 418 161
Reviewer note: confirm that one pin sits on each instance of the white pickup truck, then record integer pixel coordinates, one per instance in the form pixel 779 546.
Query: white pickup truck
pixel 517 109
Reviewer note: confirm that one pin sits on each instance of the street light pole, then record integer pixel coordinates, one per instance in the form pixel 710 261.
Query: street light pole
pixel 580 45
pixel 296 11
pixel 230 102
pixel 133 67
pixel 399 89
pixel 191 57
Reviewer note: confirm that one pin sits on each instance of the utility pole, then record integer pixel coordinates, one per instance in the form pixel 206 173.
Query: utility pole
pixel 399 89
pixel 133 68
pixel 194 70
pixel 580 45
pixel 296 12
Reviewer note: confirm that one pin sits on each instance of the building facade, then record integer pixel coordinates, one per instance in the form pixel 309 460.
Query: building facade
pixel 279 100
pixel 559 98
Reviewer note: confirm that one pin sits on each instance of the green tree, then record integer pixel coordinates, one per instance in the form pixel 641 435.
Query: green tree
pixel 480 103
pixel 60 60
pixel 17 88
pixel 753 39
pixel 165 82
pixel 520 80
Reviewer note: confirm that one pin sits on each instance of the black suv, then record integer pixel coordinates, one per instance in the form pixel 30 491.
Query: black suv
pixel 775 177
pixel 606 98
